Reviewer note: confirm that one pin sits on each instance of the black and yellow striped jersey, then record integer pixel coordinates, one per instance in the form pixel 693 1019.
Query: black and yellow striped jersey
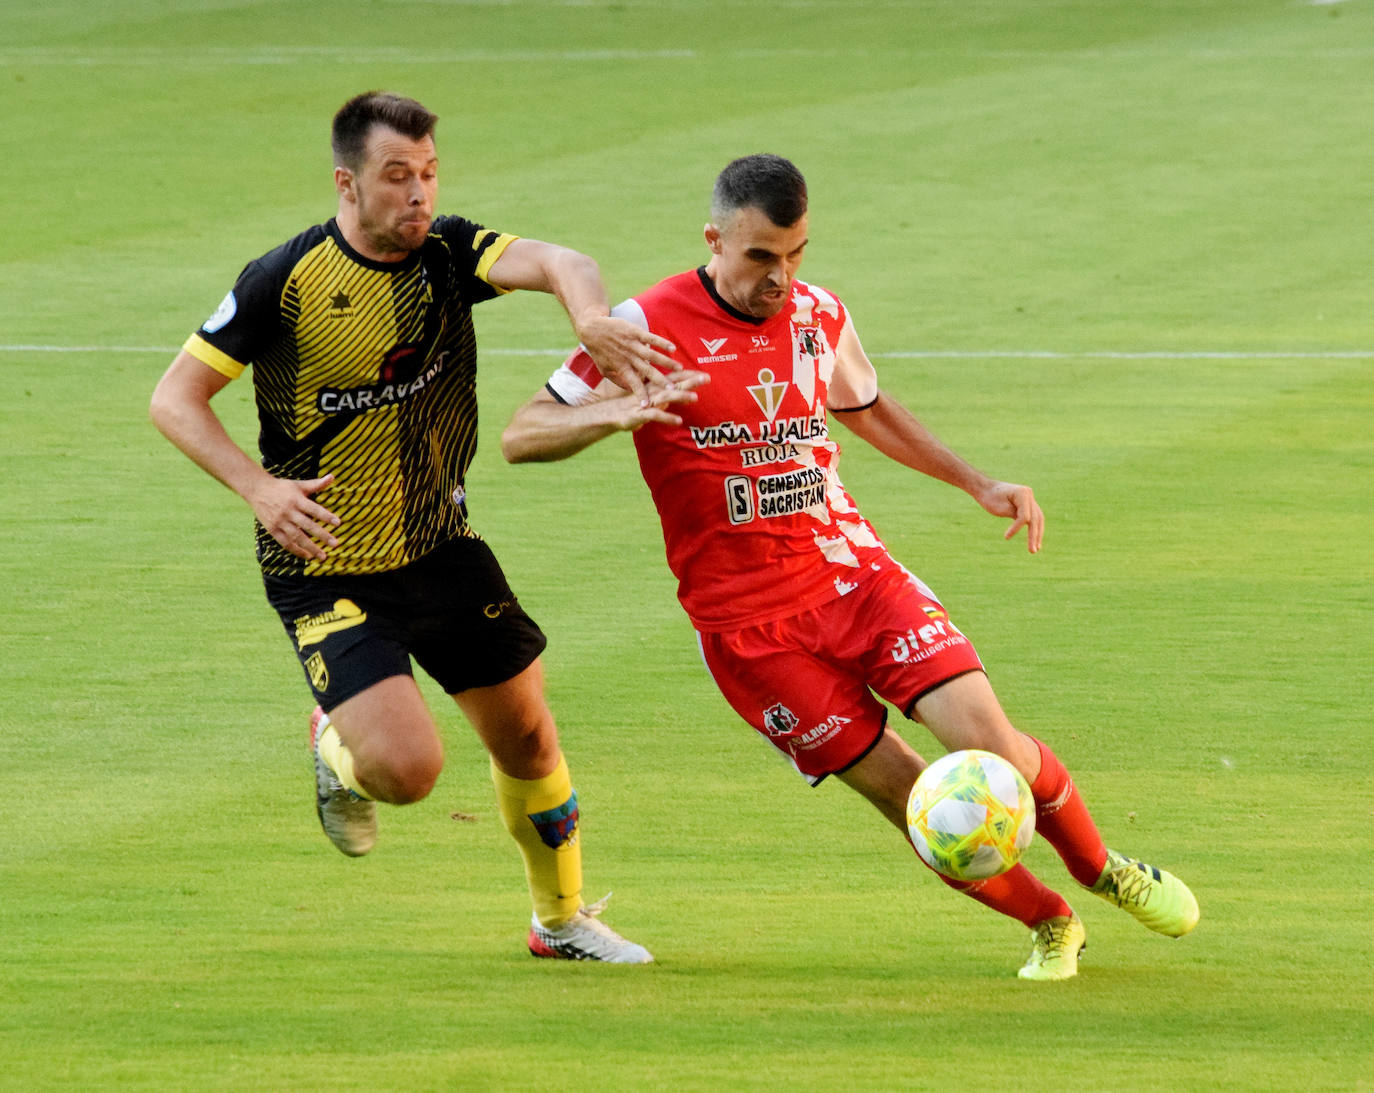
pixel 368 371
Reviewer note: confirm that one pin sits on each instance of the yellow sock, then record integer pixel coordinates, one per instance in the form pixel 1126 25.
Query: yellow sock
pixel 339 759
pixel 541 815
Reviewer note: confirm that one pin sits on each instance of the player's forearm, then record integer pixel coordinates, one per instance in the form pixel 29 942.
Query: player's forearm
pixel 572 277
pixel 575 279
pixel 895 431
pixel 546 431
pixel 198 434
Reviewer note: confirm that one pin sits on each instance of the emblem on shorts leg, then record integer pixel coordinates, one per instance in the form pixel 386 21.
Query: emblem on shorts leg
pixel 318 673
pixel 778 720
pixel 313 629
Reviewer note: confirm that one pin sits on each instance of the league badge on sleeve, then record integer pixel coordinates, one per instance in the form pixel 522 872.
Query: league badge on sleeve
pixel 227 309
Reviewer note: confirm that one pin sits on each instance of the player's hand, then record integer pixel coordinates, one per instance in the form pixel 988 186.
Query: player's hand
pixel 628 355
pixel 287 509
pixel 680 387
pixel 1018 503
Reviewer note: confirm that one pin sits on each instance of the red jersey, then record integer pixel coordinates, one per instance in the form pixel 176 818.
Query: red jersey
pixel 756 523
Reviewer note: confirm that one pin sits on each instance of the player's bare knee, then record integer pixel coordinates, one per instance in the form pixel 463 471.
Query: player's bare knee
pixel 528 742
pixel 413 783
pixel 410 776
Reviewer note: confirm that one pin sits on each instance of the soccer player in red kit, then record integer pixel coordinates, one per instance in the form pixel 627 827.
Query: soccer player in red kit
pixel 802 614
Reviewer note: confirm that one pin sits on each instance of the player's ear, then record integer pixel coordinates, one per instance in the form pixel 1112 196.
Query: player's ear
pixel 712 234
pixel 343 183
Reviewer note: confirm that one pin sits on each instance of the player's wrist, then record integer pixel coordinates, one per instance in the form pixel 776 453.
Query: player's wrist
pixel 588 320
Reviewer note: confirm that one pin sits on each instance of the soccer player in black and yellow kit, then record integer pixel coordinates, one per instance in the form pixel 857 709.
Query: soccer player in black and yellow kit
pixel 360 338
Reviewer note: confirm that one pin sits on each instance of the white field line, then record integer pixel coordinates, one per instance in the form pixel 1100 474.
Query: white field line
pixel 90 57
pixel 143 56
pixel 896 354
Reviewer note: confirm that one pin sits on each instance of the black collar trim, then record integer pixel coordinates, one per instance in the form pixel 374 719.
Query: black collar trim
pixel 734 313
pixel 369 263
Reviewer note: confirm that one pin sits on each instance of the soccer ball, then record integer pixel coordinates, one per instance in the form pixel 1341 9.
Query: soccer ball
pixel 970 815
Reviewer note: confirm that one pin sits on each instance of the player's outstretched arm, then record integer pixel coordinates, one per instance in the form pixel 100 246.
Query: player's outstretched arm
pixel 882 421
pixel 895 431
pixel 628 355
pixel 544 429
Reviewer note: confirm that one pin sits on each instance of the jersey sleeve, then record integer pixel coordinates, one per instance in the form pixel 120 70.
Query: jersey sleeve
pixel 244 324
pixel 578 378
pixel 854 382
pixel 475 250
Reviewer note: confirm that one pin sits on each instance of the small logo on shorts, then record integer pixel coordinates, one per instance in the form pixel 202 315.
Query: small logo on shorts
pixel 823 733
pixel 496 610
pixel 778 720
pixel 318 673
pixel 313 629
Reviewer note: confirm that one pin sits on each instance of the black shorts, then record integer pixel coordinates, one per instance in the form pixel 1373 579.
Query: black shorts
pixel 451 610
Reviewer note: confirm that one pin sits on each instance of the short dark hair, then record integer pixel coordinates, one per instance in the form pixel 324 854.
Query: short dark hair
pixel 766 182
pixel 359 114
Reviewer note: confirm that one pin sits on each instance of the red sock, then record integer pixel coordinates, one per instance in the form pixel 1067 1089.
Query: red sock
pixel 1063 820
pixel 1017 893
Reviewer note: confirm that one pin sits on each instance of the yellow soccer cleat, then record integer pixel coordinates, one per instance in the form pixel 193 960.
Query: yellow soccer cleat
pixel 1158 900
pixel 1055 945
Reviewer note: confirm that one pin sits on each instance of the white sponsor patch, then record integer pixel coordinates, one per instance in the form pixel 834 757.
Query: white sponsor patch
pixel 227 309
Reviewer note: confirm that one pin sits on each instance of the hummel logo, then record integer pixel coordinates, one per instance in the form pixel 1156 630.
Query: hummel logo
pixel 713 344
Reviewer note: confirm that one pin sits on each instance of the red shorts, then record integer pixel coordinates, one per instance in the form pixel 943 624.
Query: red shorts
pixel 807 682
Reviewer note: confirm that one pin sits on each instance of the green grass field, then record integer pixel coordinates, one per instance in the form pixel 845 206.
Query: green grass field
pixel 1112 249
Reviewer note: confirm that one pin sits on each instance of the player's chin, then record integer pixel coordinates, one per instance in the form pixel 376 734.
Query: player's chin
pixel 413 232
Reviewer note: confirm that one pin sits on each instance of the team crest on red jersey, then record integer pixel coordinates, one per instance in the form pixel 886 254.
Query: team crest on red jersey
pixel 809 340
